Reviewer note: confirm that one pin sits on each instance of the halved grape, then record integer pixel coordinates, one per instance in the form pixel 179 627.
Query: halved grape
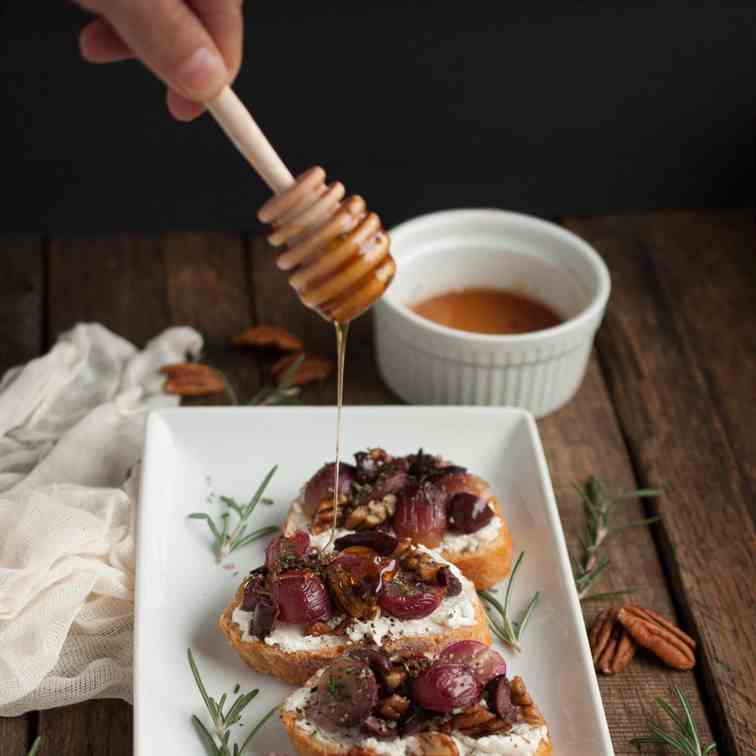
pixel 406 599
pixel 301 598
pixel 320 486
pixel 449 581
pixel 254 587
pixel 499 696
pixel 469 513
pixel 421 514
pixel 484 661
pixel 379 541
pixel 355 578
pixel 445 687
pixel 346 693
pixel 286 549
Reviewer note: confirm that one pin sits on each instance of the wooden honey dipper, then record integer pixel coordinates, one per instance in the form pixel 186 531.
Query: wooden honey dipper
pixel 337 252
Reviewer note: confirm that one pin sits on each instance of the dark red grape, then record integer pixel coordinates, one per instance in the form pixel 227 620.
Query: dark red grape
pixel 301 598
pixel 254 587
pixel 469 513
pixel 421 515
pixel 284 551
pixel 320 486
pixel 484 661
pixel 382 543
pixel 263 619
pixel 346 694
pixel 449 581
pixel 456 482
pixel 408 599
pixel 355 577
pixel 499 696
pixel 445 687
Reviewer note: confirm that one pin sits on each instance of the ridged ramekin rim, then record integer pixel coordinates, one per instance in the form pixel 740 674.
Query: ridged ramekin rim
pixel 593 313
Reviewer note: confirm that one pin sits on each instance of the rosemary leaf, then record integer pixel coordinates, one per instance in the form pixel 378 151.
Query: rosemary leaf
pixel 227 539
pixel 217 743
pixel 258 726
pixel 598 505
pixel 683 738
pixel 282 392
pixel 507 630
pixel 36 745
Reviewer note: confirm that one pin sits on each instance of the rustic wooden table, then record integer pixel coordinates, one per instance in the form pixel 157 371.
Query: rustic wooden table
pixel 668 401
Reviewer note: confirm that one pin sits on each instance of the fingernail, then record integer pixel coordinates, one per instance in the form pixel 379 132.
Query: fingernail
pixel 203 74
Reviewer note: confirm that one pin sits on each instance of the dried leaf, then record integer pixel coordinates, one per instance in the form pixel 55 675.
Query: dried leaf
pixel 314 367
pixel 192 379
pixel 268 336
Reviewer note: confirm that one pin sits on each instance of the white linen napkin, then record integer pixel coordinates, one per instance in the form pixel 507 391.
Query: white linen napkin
pixel 71 433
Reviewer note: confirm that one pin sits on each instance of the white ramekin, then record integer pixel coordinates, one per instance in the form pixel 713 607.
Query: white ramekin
pixel 426 363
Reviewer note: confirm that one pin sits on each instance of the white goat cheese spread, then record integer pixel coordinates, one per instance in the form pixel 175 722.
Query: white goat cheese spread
pixel 522 740
pixel 454 611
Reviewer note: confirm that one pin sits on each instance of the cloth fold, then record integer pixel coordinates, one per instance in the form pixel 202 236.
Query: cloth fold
pixel 71 435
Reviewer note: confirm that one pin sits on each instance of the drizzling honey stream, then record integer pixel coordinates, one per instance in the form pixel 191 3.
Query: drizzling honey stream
pixel 337 254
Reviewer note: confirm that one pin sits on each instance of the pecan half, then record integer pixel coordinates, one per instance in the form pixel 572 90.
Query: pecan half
pixel 318 628
pixel 324 514
pixel 432 744
pixel 520 697
pixel 267 335
pixel 611 646
pixel 372 514
pixel 394 707
pixel 312 368
pixel 660 636
pixel 192 379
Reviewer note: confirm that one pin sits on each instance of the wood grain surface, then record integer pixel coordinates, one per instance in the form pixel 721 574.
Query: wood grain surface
pixel 668 400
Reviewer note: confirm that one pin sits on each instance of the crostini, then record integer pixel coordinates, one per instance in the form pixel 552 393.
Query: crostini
pixel 420 496
pixel 307 605
pixel 370 702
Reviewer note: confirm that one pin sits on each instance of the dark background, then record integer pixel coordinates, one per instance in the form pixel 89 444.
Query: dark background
pixel 546 107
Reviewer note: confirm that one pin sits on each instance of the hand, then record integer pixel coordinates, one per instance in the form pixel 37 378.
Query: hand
pixel 194 46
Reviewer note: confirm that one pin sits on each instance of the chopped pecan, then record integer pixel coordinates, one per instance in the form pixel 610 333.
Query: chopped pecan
pixel 267 335
pixel 432 744
pixel 192 379
pixel 313 367
pixel 371 514
pixel 421 563
pixel 469 721
pixel 394 678
pixel 394 707
pixel 322 520
pixel 520 697
pixel 611 646
pixel 657 634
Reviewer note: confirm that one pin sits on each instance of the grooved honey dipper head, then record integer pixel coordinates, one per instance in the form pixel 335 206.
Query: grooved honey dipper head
pixel 336 250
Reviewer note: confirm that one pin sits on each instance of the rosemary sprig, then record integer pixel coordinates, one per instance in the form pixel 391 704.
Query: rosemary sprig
pixel 216 743
pixel 598 505
pixel 36 745
pixel 227 539
pixel 506 629
pixel 282 392
pixel 684 737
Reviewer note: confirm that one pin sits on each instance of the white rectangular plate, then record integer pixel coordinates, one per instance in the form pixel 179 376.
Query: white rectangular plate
pixel 181 591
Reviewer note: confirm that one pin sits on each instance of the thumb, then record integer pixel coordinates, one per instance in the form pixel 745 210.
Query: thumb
pixel 170 40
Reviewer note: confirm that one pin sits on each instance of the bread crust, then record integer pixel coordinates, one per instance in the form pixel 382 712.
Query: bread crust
pixel 484 567
pixel 305 745
pixel 490 564
pixel 296 667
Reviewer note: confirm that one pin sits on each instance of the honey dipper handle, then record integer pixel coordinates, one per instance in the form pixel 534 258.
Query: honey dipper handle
pixel 242 130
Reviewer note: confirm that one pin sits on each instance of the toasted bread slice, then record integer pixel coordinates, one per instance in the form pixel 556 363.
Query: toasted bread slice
pixel 310 740
pixel 485 557
pixel 295 666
